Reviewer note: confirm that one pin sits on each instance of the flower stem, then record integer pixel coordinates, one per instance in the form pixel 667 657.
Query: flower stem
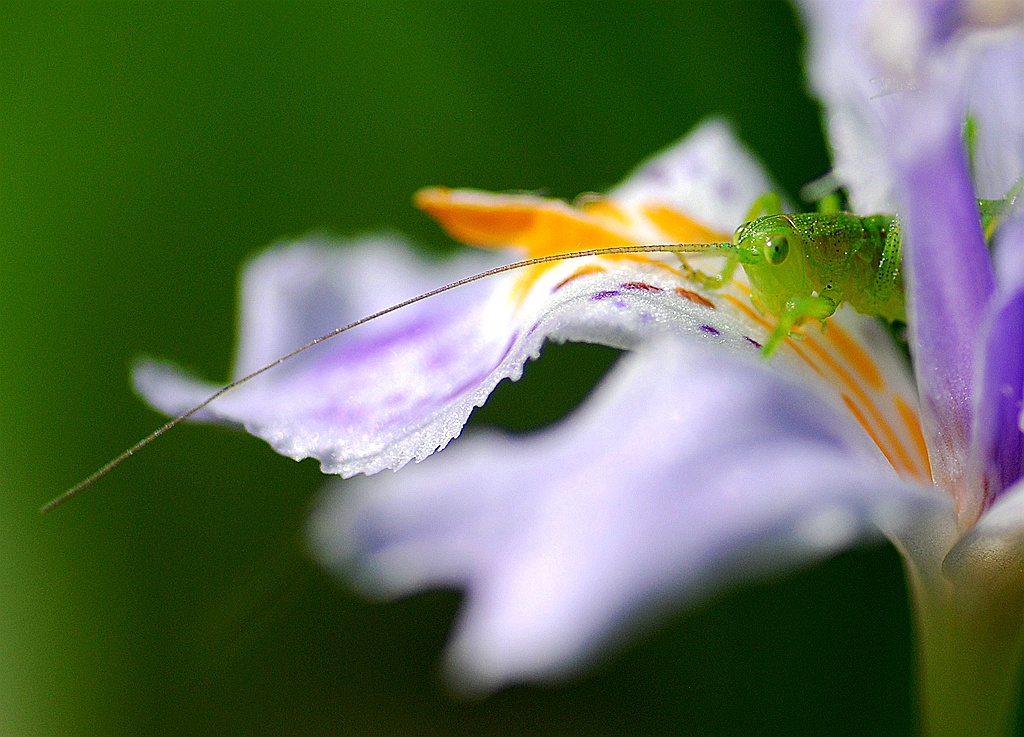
pixel 969 634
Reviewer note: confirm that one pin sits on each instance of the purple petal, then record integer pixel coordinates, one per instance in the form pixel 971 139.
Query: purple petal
pixel 688 470
pixel 869 59
pixel 998 440
pixel 400 388
pixel 999 444
pixel 949 284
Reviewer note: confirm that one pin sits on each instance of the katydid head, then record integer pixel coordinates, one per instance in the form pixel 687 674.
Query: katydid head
pixel 771 250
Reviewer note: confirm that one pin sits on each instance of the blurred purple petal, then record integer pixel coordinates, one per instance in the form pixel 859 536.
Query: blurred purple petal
pixel 1009 252
pixel 996 102
pixel 688 470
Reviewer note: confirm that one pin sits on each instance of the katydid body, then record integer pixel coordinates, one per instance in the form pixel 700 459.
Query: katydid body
pixel 805 266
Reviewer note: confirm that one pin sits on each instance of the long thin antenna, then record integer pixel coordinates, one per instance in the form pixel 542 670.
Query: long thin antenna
pixel 616 250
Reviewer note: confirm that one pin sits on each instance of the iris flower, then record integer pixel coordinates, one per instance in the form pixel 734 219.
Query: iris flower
pixel 696 464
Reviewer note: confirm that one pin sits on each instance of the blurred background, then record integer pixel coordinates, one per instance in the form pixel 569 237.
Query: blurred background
pixel 146 149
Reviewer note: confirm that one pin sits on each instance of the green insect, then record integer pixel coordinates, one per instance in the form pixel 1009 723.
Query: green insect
pixel 806 266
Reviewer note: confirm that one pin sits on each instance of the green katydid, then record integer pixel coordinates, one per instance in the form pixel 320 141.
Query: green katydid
pixel 800 267
pixel 805 266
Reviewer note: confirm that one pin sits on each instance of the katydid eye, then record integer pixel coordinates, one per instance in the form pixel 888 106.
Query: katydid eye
pixel 777 249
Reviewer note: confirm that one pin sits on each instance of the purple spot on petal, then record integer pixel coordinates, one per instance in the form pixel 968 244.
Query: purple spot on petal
pixel 605 295
pixel 692 166
pixel 646 318
pixel 641 286
pixel 726 191
pixel 656 174
pixel 753 342
pixel 710 330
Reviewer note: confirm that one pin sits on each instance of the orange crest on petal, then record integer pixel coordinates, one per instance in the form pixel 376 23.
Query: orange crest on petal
pixel 535 225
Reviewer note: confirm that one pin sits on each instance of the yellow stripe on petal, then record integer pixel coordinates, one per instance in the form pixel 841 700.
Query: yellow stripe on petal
pixel 857 356
pixel 538 226
pixel 840 359
pixel 912 421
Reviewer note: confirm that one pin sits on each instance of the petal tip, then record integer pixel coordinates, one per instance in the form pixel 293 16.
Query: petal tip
pixel 428 197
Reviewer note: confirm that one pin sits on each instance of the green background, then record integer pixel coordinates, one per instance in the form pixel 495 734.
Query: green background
pixel 145 151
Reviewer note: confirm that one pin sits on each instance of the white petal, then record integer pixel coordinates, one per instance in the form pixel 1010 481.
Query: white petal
pixel 708 174
pixel 401 387
pixel 841 74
